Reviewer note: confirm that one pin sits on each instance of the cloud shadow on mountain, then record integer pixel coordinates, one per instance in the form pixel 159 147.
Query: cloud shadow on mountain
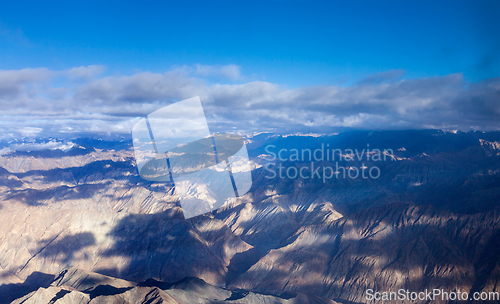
pixel 66 246
pixel 10 292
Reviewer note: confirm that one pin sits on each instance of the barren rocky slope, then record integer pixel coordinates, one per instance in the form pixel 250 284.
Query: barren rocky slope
pixel 430 221
pixel 77 286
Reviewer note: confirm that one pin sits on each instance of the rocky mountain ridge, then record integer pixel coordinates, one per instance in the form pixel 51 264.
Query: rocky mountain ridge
pixel 430 220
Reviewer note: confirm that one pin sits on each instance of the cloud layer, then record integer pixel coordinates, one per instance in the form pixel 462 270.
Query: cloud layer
pixel 46 102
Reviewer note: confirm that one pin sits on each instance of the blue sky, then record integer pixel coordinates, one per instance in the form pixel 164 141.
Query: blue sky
pixel 286 42
pixel 72 67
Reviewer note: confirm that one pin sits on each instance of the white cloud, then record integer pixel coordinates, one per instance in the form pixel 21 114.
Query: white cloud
pixel 51 145
pixel 31 106
pixel 84 72
pixel 30 131
pixel 231 71
pixel 17 82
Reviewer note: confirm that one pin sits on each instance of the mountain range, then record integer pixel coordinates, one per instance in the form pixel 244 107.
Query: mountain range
pixel 79 225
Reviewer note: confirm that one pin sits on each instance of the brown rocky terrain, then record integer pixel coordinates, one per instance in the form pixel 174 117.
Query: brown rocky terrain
pixel 77 286
pixel 430 221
